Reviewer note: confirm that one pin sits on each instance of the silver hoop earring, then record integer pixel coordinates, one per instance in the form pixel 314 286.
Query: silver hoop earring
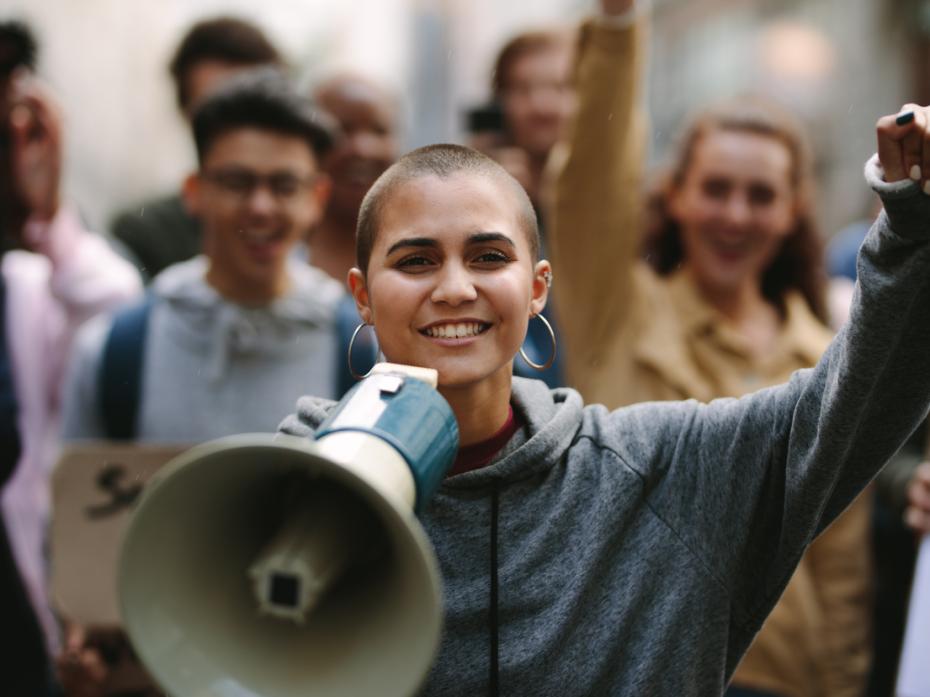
pixel 548 363
pixel 355 375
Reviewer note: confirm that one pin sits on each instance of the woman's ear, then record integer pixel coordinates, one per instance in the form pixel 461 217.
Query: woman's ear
pixel 542 280
pixel 359 289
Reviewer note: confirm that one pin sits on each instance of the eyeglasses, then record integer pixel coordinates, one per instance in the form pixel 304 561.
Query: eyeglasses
pixel 242 183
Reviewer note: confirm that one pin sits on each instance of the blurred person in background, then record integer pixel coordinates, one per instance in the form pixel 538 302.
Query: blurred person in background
pixel 160 232
pixel 53 276
pixel 532 85
pixel 226 341
pixel 533 100
pixel 368 117
pixel 244 318
pixel 730 301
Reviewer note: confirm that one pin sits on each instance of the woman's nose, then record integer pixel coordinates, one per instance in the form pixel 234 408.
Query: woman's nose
pixel 454 285
pixel 737 210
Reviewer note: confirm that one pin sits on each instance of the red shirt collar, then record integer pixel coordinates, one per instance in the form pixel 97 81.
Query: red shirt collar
pixel 477 455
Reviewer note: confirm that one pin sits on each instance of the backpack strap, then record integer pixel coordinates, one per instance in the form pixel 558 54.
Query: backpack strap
pixel 120 376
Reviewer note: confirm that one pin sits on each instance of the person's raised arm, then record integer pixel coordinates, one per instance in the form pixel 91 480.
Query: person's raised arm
pixel 87 276
pixel 593 227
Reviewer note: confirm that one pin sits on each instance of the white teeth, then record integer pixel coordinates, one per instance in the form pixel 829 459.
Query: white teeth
pixel 454 331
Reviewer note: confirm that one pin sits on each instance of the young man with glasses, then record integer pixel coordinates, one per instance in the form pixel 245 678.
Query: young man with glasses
pixel 228 340
pixel 158 232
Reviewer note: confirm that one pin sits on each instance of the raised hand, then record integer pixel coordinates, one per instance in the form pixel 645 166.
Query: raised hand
pixel 904 145
pixel 35 148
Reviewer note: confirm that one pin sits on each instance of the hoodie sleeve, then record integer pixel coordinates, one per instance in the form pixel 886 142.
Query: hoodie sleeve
pixel 311 411
pixel 748 483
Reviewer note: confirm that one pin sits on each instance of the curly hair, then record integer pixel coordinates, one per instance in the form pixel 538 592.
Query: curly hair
pixel 799 264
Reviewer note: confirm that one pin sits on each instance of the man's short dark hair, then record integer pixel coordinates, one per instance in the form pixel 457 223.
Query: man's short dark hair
pixel 263 99
pixel 221 39
pixel 444 161
pixel 18 48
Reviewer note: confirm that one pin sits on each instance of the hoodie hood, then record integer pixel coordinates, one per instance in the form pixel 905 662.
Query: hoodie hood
pixel 551 419
pixel 217 328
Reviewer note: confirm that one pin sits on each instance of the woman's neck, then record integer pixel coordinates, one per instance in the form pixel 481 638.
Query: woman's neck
pixel 480 409
pixel 248 293
pixel 747 310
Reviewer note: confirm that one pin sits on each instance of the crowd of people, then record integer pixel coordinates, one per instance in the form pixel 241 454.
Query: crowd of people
pixel 756 540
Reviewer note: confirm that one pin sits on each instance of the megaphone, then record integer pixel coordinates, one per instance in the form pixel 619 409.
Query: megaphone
pixel 275 566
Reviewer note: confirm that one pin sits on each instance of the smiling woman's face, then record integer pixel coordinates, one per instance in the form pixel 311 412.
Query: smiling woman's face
pixel 451 282
pixel 736 206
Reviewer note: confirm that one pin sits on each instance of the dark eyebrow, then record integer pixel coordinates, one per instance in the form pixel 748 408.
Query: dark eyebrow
pixel 480 237
pixel 477 238
pixel 411 242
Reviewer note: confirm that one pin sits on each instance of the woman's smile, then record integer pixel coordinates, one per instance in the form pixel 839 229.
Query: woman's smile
pixel 455 332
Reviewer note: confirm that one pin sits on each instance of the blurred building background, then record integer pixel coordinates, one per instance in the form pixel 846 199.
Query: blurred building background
pixel 838 63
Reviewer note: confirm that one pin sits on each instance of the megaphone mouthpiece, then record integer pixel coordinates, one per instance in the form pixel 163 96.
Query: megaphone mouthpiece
pixel 325 532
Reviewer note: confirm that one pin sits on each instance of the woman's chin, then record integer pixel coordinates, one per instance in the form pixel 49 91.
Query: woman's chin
pixel 468 376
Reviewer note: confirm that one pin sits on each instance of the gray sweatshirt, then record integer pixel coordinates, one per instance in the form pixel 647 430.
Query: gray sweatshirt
pixel 211 367
pixel 639 551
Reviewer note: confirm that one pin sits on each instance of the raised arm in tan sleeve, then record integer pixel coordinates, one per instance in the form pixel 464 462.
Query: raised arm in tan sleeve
pixel 594 224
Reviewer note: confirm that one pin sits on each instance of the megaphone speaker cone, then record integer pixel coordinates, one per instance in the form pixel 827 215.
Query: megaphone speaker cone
pixel 223 509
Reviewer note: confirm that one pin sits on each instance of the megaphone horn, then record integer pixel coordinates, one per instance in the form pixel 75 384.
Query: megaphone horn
pixel 280 566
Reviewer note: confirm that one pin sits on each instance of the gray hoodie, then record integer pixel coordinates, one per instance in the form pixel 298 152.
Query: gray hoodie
pixel 637 552
pixel 211 367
